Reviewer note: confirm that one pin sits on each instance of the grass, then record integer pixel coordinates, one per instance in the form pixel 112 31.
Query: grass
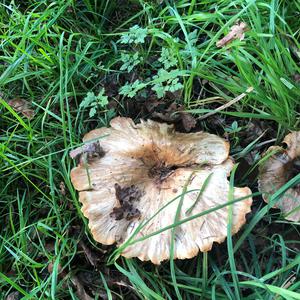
pixel 53 53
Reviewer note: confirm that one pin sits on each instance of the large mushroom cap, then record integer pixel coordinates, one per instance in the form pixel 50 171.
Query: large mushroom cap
pixel 281 165
pixel 142 168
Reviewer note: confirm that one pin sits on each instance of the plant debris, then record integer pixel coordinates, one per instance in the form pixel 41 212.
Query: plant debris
pixel 62 188
pixel 174 114
pixel 50 268
pixel 237 31
pixel 227 104
pixel 87 152
pixel 188 121
pixel 126 196
pixel 22 106
pixel 89 254
pixel 13 296
pixel 161 171
pixel 80 291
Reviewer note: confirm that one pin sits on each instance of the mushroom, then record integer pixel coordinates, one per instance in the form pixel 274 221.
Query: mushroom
pixel 281 165
pixel 138 178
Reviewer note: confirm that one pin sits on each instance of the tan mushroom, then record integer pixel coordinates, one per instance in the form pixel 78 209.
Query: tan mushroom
pixel 280 166
pixel 143 167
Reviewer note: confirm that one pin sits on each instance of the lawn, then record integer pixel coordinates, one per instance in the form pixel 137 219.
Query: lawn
pixel 70 66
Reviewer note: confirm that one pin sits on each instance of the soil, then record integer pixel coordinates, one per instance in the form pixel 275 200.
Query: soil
pixel 126 196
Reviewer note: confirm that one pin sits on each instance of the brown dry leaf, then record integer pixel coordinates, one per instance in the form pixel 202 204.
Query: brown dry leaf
pixel 237 31
pixel 13 296
pixel 290 280
pixel 188 121
pixel 88 253
pixel 62 188
pixel 80 291
pixel 280 166
pixel 176 113
pixel 143 168
pixel 168 115
pixel 50 268
pixel 22 106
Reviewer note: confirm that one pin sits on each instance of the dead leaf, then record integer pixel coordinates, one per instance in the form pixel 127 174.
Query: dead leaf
pixel 88 253
pixel 62 188
pixel 289 281
pixel 168 115
pixel 13 296
pixel 176 113
pixel 50 268
pixel 188 121
pixel 80 291
pixel 22 106
pixel 237 31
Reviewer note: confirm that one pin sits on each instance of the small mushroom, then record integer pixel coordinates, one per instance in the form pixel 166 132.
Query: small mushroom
pixel 145 166
pixel 281 165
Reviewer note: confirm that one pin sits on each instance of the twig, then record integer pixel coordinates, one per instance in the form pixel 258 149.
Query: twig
pixel 231 102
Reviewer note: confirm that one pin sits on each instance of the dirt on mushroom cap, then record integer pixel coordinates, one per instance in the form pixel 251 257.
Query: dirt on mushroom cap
pixel 156 163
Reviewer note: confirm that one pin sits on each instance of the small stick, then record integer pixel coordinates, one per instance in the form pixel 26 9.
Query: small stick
pixel 86 148
pixel 231 102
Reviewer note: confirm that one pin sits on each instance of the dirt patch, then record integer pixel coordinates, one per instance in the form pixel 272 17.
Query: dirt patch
pixel 126 197
pixel 22 106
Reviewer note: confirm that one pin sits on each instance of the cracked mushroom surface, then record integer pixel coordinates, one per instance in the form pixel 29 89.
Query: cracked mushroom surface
pixel 143 167
pixel 282 165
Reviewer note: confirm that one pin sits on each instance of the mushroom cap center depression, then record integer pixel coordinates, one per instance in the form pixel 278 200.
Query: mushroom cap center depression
pixel 160 171
pixel 161 162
